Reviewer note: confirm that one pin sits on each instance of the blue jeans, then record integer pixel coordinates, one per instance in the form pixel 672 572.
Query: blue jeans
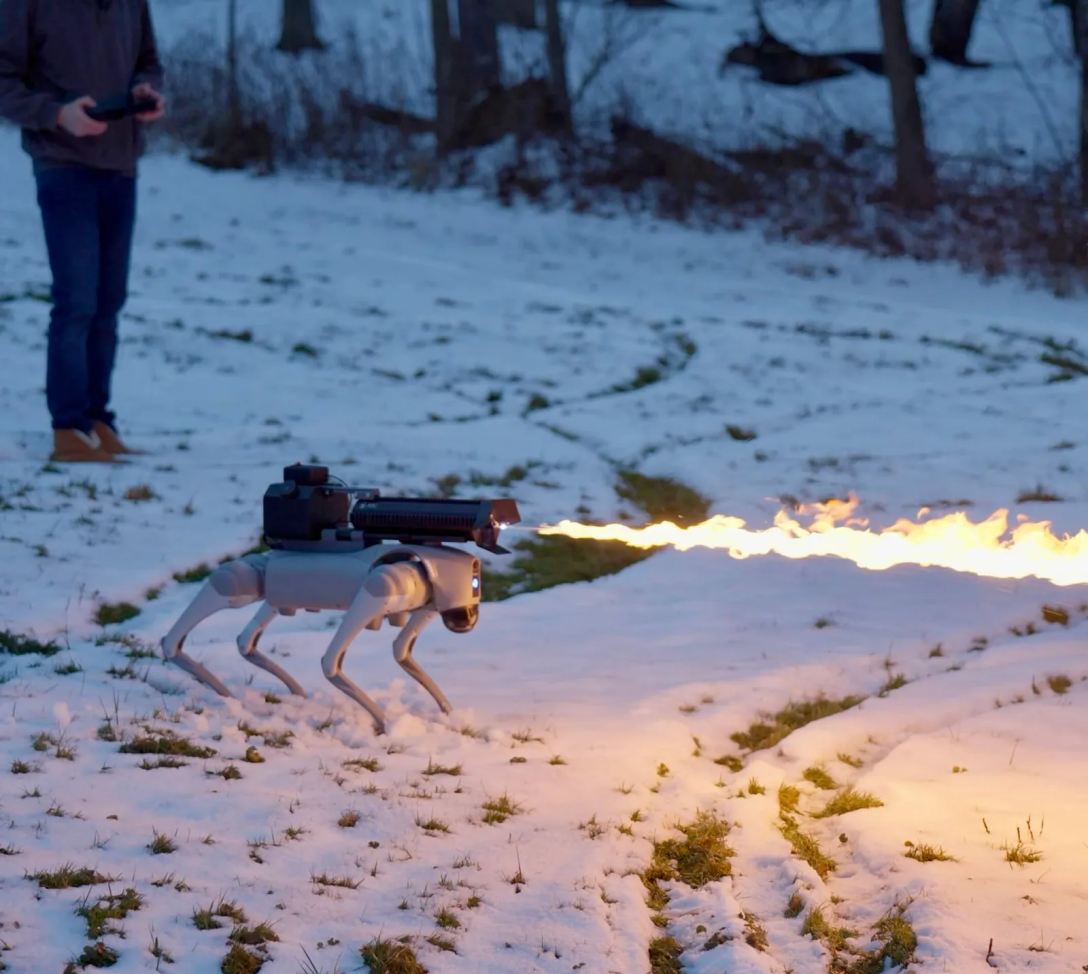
pixel 88 216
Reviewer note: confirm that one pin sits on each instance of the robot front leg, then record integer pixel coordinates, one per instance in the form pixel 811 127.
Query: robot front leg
pixel 402 653
pixel 388 590
pixel 230 586
pixel 247 646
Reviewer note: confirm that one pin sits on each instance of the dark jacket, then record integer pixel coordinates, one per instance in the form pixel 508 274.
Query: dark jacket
pixel 54 51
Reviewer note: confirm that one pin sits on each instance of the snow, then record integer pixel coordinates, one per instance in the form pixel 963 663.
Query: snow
pixel 908 384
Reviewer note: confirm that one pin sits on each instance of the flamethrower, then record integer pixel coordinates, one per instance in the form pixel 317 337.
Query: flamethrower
pixel 347 548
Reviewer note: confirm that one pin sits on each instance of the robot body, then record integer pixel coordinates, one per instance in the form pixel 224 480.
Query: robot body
pixel 407 584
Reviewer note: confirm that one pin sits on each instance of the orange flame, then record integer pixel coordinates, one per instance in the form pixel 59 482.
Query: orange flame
pixel 988 548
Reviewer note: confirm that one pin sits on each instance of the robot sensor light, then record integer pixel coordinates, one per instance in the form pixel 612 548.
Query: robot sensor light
pixel 338 547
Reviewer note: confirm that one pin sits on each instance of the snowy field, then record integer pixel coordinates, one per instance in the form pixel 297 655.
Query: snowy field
pixel 402 339
pixel 665 64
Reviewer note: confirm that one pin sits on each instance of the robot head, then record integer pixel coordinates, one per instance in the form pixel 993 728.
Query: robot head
pixel 463 619
pixel 456 582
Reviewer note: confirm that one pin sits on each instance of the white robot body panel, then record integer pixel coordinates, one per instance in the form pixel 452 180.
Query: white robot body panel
pixel 293 580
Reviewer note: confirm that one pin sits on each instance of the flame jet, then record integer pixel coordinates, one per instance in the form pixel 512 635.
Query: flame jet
pixel 988 548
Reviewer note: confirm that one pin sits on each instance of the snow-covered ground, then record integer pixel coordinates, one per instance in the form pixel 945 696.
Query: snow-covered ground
pixel 1021 111
pixel 400 338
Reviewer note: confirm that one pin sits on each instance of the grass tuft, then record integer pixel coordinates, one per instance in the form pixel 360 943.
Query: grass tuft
pixel 1055 615
pixel 253 936
pixel 161 845
pixel 342 882
pixel 195 574
pixel 788 799
pixel 1040 494
pixel 893 683
pixel 432 769
pixel 114 613
pixel 166 743
pixel 140 493
pixel 806 847
pixel 927 853
pixel 1020 854
pixel 98 915
pixel 700 857
pixel 385 956
pixel 447 919
pixel 240 960
pixel 70 877
pixel 498 810
pixel 665 955
pixel 898 942
pixel 16 644
pixel 98 955
pixel 1059 683
pixel 818 927
pixel 164 762
pixel 361 764
pixel 849 800
pixel 774 728
pixel 820 778
pixel 432 825
pixel 209 917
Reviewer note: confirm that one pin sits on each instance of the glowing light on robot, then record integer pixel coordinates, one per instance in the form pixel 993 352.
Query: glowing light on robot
pixel 989 548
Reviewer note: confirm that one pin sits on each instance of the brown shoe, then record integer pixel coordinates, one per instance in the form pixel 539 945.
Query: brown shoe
pixel 75 446
pixel 111 442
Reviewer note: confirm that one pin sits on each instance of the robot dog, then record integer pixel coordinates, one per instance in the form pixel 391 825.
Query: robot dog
pixel 328 550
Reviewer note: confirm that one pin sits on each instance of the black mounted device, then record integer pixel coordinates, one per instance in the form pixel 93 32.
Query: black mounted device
pixel 306 511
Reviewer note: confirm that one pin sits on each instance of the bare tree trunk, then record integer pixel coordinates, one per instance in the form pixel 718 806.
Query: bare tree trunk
pixel 445 81
pixel 557 63
pixel 1082 10
pixel 914 177
pixel 1075 20
pixel 950 29
pixel 298 28
pixel 234 97
pixel 478 46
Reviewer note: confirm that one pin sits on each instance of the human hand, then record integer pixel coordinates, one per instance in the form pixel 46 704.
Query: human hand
pixel 146 91
pixel 73 118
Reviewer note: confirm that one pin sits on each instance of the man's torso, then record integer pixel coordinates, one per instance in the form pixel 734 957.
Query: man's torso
pixel 85 47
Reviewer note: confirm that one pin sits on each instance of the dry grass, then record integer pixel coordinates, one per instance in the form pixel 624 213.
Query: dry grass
pixel 99 914
pixel 819 777
pixel 70 877
pixel 1020 854
pixel 166 743
pixel 499 809
pixel 923 852
pixel 665 953
pixel 700 857
pixel 849 800
pixel 774 728
pixel 806 847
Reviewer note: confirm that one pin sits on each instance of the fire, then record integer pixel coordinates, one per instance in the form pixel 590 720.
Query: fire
pixel 988 548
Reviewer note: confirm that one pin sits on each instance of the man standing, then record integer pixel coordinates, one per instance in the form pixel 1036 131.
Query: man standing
pixel 59 58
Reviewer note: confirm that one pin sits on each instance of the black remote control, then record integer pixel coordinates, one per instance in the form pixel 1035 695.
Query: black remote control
pixel 114 109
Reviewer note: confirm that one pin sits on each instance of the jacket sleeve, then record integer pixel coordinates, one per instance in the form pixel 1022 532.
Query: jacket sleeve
pixel 148 66
pixel 18 102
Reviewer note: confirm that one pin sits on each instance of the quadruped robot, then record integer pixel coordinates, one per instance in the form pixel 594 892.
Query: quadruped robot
pixel 330 549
